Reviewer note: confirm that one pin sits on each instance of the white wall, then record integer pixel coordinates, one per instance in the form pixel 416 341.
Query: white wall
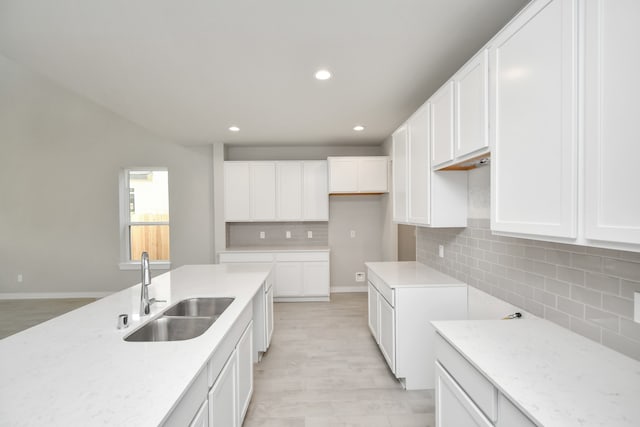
pixel 59 164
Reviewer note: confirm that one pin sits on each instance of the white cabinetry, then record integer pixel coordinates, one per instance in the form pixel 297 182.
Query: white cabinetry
pixel 612 136
pixel 298 275
pixel 223 399
pixel 442 130
pixel 533 118
pixel 358 174
pixel 244 355
pixel 399 316
pixel 202 416
pixel 420 195
pixel 453 406
pixel 472 107
pixel 276 191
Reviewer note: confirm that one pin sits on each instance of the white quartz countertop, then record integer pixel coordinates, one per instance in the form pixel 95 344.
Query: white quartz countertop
pixel 556 377
pixel 276 249
pixel 76 369
pixel 411 274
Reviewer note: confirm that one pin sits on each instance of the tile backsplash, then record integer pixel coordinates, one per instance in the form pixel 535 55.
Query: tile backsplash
pixel 588 290
pixel 248 234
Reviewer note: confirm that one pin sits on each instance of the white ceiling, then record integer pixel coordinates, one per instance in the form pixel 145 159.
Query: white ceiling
pixel 187 70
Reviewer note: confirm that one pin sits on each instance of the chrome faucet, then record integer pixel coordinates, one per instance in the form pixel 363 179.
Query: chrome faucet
pixel 145 304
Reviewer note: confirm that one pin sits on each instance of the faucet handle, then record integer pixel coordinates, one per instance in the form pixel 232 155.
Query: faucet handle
pixel 154 300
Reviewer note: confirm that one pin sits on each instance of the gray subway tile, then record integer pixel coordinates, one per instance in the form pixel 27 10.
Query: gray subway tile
pixel 544 297
pixel 623 345
pixel 586 262
pixel 534 307
pixel 630 329
pixel 571 275
pixel 624 269
pixel 523 290
pixel 627 288
pixel 534 280
pixel 533 252
pixel 558 257
pixel 602 318
pixel 544 268
pixel 557 287
pixel 557 317
pixel 586 329
pixel 620 306
pixel 571 307
pixel 587 296
pixel 600 282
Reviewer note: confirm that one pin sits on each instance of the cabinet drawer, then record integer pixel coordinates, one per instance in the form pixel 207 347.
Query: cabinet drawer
pixel 475 385
pixel 246 257
pixel 384 289
pixel 510 416
pixel 302 256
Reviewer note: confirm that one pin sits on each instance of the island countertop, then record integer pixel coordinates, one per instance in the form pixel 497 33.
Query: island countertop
pixel 555 376
pixel 411 274
pixel 76 369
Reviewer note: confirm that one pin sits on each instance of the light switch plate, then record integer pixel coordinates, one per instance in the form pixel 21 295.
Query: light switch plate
pixel 636 306
pixel 287 234
pixel 309 234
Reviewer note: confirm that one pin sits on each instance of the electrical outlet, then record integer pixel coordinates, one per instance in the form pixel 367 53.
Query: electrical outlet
pixel 360 276
pixel 352 233
pixel 441 251
pixel 287 234
pixel 636 306
pixel 262 235
pixel 309 234
pixel 20 277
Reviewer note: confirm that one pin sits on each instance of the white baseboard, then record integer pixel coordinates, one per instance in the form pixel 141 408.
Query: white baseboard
pixel 343 289
pixel 52 295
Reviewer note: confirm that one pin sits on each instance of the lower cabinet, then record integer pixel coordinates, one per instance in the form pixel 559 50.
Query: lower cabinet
pixel 387 332
pixel 202 417
pixel 244 356
pixel 223 400
pixel 466 398
pixel 373 312
pixel 263 318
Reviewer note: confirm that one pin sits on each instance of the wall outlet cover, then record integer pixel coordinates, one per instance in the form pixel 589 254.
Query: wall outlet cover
pixel 360 276
pixel 352 233
pixel 287 234
pixel 309 234
pixel 441 251
pixel 262 235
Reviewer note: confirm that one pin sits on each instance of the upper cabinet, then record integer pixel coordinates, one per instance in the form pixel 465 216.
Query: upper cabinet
pixel 420 195
pixel 442 127
pixel 612 136
pixel 276 191
pixel 533 122
pixel 358 174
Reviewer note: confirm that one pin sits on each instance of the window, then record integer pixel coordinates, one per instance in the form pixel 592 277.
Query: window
pixel 144 216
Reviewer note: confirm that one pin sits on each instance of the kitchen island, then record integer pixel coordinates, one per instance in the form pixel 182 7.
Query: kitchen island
pixel 76 369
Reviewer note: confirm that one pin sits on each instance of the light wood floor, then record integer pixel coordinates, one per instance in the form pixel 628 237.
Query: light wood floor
pixel 323 369
pixel 18 315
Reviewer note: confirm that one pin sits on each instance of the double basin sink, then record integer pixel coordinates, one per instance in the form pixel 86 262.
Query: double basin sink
pixel 187 319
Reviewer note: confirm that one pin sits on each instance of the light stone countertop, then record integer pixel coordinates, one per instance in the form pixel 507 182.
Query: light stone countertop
pixel 275 249
pixel 555 376
pixel 411 274
pixel 76 369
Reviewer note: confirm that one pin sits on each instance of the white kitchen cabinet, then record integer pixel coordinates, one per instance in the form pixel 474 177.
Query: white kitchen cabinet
pixel 611 137
pixel 400 172
pixel 244 355
pixel 202 416
pixel 301 275
pixel 223 396
pixel 289 199
pixel 510 415
pixel 471 85
pixel 453 406
pixel 349 175
pixel 533 122
pixel 269 316
pixel 276 191
pixel 403 298
pixel 237 191
pixel 315 192
pixel 433 198
pixel 442 124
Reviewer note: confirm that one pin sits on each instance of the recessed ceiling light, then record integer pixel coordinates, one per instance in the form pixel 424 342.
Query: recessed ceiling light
pixel 234 129
pixel 358 128
pixel 323 75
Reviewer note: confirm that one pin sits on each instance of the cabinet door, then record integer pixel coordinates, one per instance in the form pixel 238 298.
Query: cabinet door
pixel 453 406
pixel 223 397
pixel 400 174
pixel 472 106
pixel 510 416
pixel 316 278
pixel 237 193
pixel 315 194
pixel 288 279
pixel 263 191
pixel 244 354
pixel 441 111
pixel 269 315
pixel 289 195
pixel 373 311
pixel 420 170
pixel 612 137
pixel 387 332
pixel 202 417
pixel 373 174
pixel 533 122
pixel 343 175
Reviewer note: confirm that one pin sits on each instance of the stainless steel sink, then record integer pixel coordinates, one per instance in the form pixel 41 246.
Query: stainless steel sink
pixel 196 307
pixel 187 319
pixel 167 328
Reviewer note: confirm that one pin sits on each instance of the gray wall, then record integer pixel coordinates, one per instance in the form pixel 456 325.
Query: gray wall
pixel 59 164
pixel 587 290
pixel 241 234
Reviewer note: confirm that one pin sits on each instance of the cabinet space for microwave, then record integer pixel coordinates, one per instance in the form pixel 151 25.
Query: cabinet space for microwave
pixel 348 175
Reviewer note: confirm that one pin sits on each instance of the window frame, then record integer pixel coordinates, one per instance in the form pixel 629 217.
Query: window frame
pixel 126 263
